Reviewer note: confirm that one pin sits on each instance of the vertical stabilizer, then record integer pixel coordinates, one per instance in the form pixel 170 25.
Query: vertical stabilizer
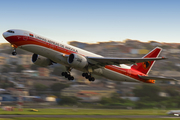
pixel 145 67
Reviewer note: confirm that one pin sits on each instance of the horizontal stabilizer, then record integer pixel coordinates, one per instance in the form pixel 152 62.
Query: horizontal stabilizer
pixel 158 78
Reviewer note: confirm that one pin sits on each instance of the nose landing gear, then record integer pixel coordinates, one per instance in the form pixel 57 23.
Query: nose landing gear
pixel 14 53
pixel 14 50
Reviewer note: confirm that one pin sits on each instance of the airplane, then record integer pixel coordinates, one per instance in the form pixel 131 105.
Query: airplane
pixel 47 52
pixel 174 112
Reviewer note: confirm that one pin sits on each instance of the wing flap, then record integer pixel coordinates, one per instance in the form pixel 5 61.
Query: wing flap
pixel 158 78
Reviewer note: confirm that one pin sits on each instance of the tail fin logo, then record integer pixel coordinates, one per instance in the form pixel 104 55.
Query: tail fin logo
pixel 146 65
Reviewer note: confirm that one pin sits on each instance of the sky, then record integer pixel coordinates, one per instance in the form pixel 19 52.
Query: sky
pixel 94 21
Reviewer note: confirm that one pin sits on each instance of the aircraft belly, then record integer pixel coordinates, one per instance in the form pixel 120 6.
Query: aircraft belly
pixel 114 75
pixel 46 52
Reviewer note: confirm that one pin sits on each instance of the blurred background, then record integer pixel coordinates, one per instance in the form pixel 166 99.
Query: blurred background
pixel 111 28
pixel 22 82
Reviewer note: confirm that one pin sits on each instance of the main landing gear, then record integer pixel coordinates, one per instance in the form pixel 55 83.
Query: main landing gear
pixel 67 75
pixel 88 76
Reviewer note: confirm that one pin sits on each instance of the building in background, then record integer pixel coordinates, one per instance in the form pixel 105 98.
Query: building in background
pixel 45 72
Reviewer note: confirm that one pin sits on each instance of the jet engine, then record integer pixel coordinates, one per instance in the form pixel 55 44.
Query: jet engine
pixel 77 61
pixel 41 61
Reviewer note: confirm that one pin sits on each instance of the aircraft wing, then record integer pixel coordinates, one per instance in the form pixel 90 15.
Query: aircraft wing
pixel 116 61
pixel 158 78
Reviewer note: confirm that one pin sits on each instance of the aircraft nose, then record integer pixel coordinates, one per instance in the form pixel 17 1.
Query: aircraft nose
pixel 5 34
pixel 8 33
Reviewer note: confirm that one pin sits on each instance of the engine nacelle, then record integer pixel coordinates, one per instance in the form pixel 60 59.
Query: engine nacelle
pixel 41 61
pixel 76 60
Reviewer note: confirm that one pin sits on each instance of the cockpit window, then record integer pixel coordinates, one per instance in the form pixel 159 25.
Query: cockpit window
pixel 10 31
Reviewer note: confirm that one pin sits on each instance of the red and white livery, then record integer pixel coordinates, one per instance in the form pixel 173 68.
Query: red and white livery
pixel 46 52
